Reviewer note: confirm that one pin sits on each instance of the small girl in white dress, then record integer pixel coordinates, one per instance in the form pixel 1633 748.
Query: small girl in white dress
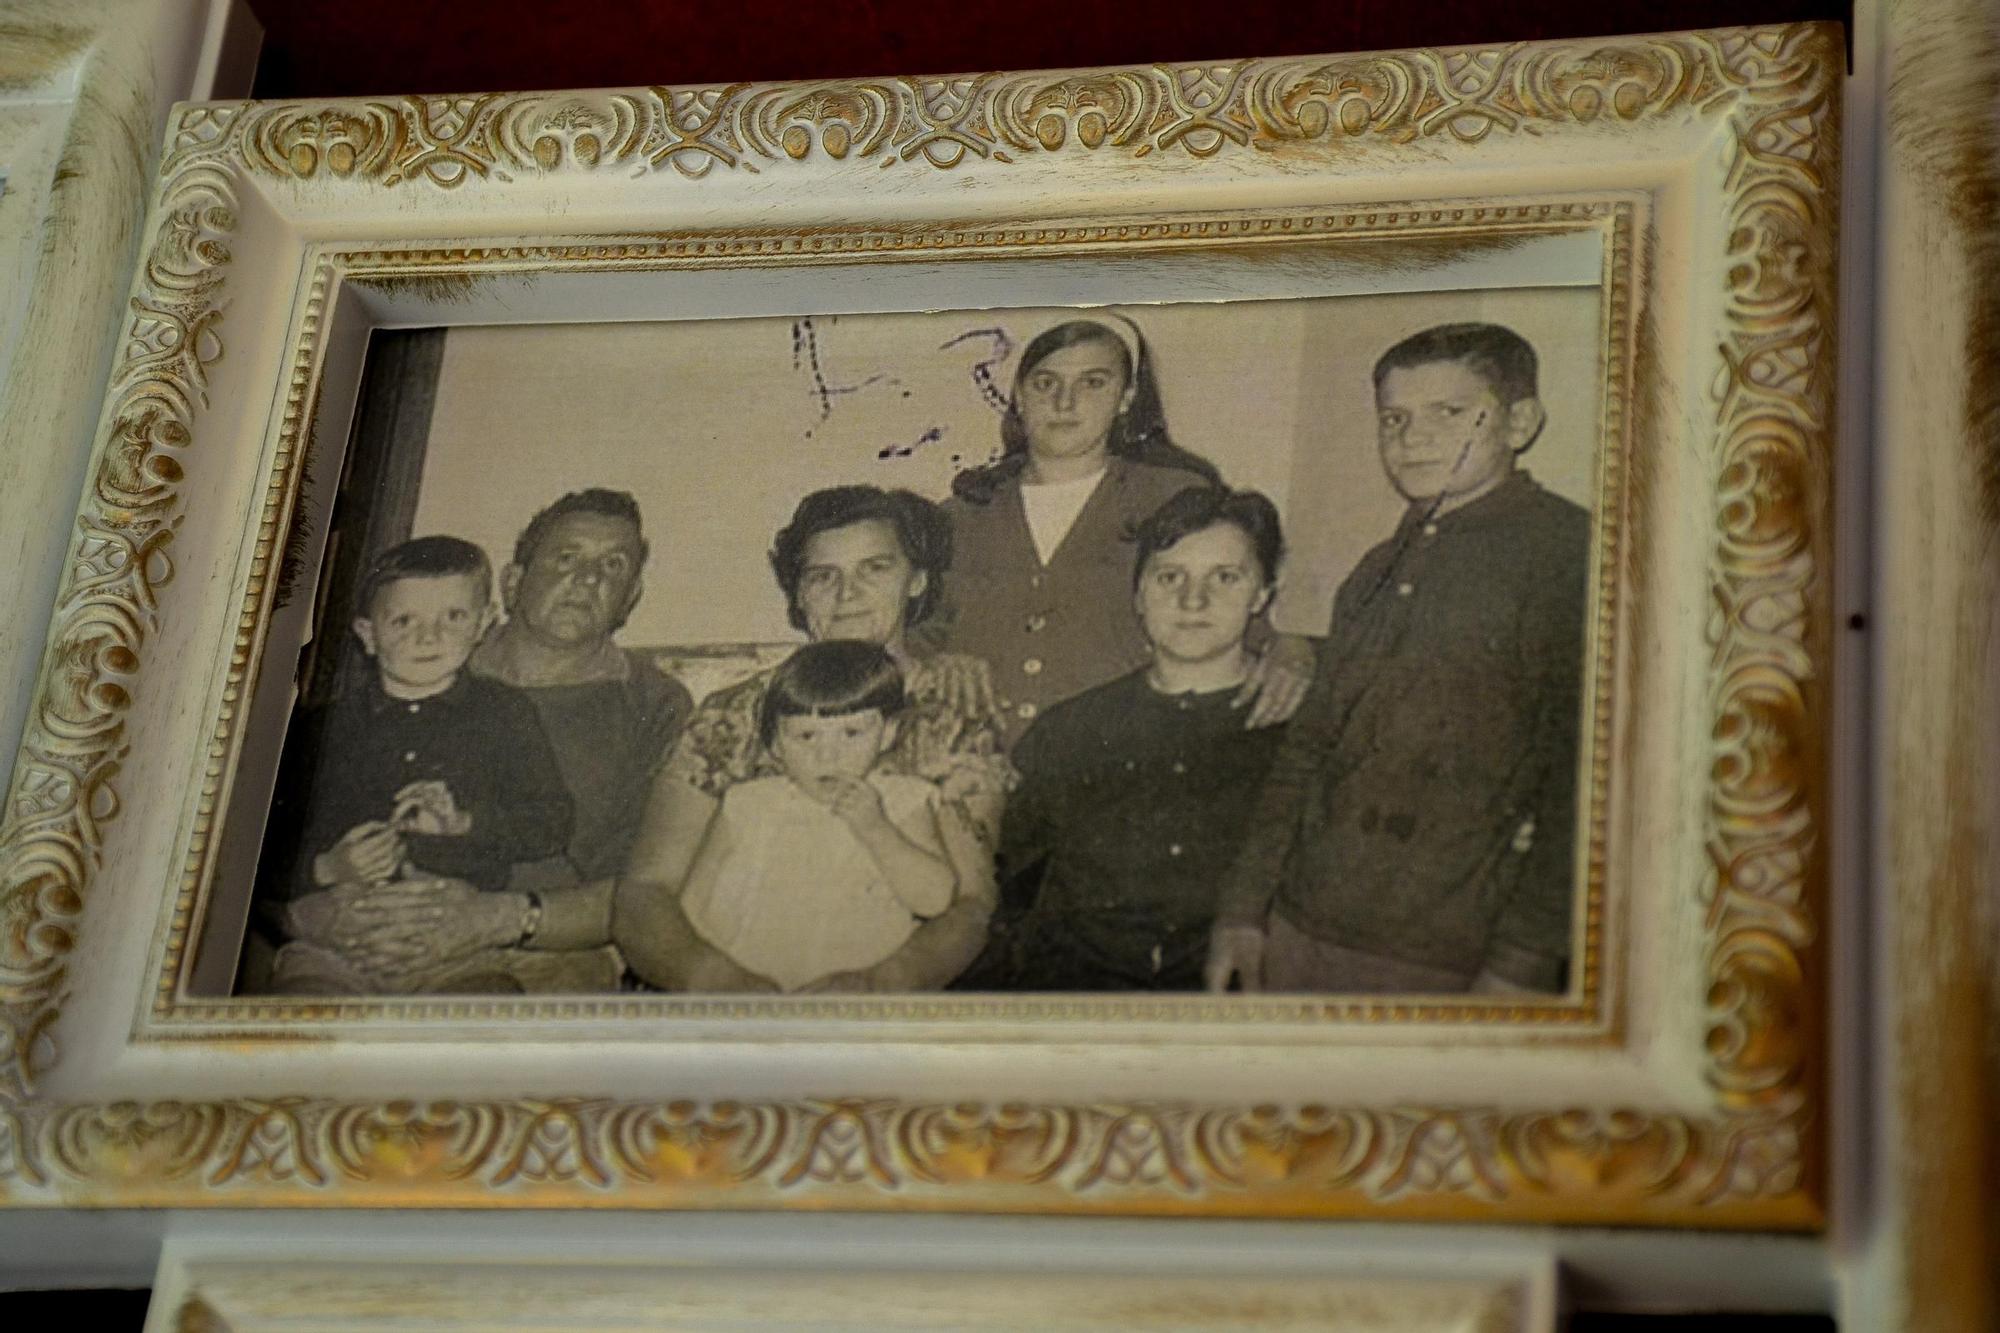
pixel 831 867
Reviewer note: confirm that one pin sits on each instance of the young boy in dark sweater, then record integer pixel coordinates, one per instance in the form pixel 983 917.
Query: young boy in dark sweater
pixel 424 773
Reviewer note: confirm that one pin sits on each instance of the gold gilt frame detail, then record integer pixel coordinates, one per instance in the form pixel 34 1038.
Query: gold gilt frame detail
pixel 1753 1161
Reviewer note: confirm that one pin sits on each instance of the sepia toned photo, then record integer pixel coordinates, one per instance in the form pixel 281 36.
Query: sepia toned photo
pixel 1227 647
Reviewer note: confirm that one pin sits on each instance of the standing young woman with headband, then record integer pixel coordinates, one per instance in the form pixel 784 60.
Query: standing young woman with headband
pixel 1041 580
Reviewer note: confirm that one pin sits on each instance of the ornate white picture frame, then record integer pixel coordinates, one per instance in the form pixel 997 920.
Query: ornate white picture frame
pixel 1680 1082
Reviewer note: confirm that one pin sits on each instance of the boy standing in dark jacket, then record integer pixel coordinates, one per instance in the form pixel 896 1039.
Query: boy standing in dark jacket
pixel 1417 831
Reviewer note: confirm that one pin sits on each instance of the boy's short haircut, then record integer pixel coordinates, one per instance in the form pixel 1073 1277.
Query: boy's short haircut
pixel 423 558
pixel 1201 507
pixel 831 679
pixel 1497 355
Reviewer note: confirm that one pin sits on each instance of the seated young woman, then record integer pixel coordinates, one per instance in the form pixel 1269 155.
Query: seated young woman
pixel 1134 795
pixel 1034 603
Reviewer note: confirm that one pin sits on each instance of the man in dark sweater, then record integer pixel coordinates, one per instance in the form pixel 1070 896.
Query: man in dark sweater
pixel 1416 833
pixel 610 713
pixel 1134 794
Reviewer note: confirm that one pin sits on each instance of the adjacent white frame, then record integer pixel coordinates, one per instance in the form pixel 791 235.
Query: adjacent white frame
pixel 848 1273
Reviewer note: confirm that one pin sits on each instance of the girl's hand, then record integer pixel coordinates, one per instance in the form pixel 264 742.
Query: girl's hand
pixel 857 802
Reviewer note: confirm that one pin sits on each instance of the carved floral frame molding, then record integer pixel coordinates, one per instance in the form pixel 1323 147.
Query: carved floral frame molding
pixel 1755 1160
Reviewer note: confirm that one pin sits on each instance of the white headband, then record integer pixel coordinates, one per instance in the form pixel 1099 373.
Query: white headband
pixel 1119 327
pixel 1128 333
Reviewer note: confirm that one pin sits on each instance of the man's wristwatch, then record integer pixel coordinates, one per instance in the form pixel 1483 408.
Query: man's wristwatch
pixel 531 923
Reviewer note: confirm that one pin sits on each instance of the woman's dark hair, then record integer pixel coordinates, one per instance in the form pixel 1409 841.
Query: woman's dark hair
pixel 831 679
pixel 922 530
pixel 422 558
pixel 1498 355
pixel 1201 507
pixel 1138 432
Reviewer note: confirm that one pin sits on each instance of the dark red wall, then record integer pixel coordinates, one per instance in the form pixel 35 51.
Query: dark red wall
pixel 355 47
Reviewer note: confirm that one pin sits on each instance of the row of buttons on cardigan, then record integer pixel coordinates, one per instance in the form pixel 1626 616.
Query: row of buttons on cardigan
pixel 1032 667
pixel 1034 624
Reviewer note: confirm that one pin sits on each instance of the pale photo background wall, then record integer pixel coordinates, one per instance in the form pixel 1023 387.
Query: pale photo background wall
pixel 720 426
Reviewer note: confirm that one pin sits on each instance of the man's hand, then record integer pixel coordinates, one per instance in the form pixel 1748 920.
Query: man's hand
pixel 966 682
pixel 498 920
pixel 325 917
pixel 1235 953
pixel 458 918
pixel 365 853
pixel 407 923
pixel 1278 681
pixel 332 919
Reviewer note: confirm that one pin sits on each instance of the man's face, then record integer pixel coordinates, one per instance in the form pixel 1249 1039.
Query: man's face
pixel 1196 597
pixel 813 750
pixel 856 583
pixel 420 631
pixel 1445 436
pixel 580 583
pixel 1071 397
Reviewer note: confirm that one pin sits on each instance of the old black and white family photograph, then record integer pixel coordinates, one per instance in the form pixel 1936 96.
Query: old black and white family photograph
pixel 1233 647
